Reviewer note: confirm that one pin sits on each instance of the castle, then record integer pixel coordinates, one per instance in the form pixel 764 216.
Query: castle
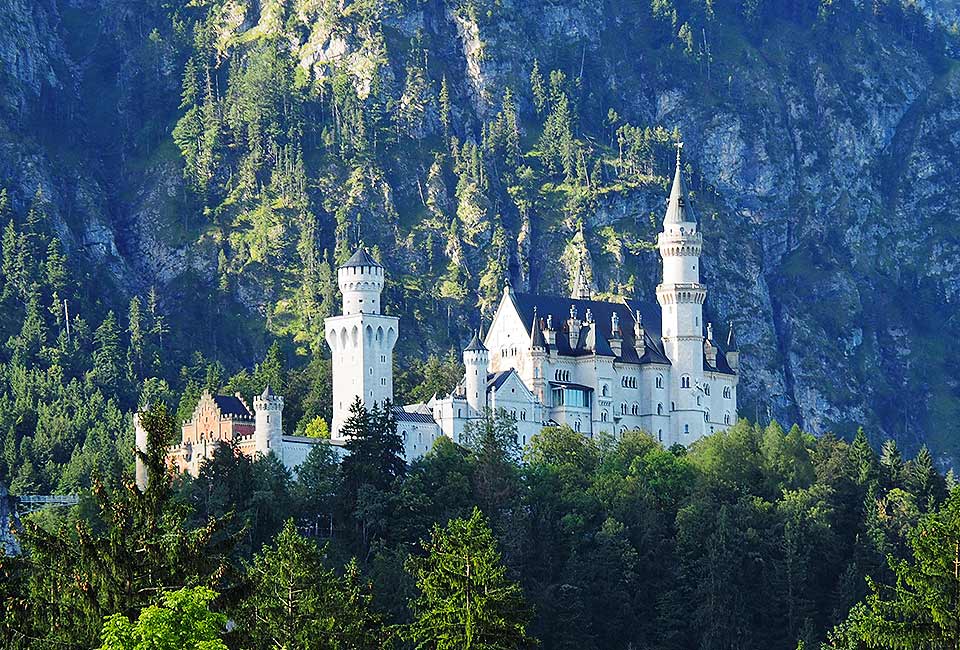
pixel 595 366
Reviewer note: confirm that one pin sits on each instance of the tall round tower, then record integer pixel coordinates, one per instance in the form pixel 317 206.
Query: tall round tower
pixel 681 297
pixel 360 281
pixel 268 423
pixel 476 361
pixel 361 340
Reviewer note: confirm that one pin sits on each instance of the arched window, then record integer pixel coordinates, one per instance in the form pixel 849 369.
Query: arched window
pixel 576 426
pixel 685 381
pixel 686 428
pixel 523 415
pixel 726 392
pixel 604 390
pixel 659 381
pixel 635 409
pixel 706 416
pixel 726 418
pixel 660 435
pixel 673 406
pixel 603 415
pixel 659 409
pixel 706 389
pixel 623 408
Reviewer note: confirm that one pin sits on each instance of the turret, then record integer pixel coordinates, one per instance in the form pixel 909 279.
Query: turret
pixel 709 347
pixel 733 353
pixel 616 336
pixel 476 361
pixel 268 422
pixel 640 335
pixel 140 445
pixel 360 280
pixel 573 327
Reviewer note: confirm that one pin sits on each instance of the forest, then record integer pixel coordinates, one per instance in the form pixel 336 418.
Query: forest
pixel 755 537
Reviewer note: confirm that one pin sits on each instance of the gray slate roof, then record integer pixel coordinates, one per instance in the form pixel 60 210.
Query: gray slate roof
pixel 361 258
pixel 559 308
pixel 229 405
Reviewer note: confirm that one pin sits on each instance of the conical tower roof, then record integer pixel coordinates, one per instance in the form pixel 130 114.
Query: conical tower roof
pixel 361 258
pixel 475 345
pixel 678 205
pixel 536 333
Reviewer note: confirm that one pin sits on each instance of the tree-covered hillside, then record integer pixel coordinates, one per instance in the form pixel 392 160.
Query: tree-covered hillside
pixel 754 538
pixel 224 155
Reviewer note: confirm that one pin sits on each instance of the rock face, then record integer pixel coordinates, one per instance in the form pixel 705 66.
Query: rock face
pixel 827 174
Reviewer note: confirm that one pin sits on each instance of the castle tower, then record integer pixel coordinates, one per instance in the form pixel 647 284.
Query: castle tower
pixel 268 423
pixel 681 297
pixel 140 445
pixel 476 361
pixel 361 340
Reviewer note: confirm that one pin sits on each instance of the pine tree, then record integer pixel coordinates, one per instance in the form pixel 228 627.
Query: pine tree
pixel 537 87
pixel 466 601
pixel 891 464
pixel 135 328
pixel 445 106
pixel 107 357
pixel 923 610
pixel 295 601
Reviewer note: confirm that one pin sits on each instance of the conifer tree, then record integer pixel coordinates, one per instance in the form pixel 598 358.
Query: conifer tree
pixel 922 610
pixel 106 355
pixel 295 601
pixel 466 600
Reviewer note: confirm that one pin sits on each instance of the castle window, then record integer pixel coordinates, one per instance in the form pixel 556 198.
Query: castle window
pixel 635 409
pixel 706 416
pixel 603 391
pixel 726 418
pixel 685 381
pixel 659 409
pixel 659 381
pixel 686 428
pixel 603 416
pixel 673 406
pixel 726 392
pixel 623 408
pixel 576 426
pixel 706 389
pixel 523 415
pixel 660 435
pixel 698 400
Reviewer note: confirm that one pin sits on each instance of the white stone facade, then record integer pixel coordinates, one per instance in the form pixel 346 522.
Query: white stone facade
pixel 597 366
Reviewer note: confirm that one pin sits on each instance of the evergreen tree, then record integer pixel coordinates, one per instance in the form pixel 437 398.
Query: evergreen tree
pixel 295 601
pixel 466 601
pixel 107 357
pixel 922 610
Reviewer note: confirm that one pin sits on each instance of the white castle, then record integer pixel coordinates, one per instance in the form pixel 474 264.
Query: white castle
pixel 596 366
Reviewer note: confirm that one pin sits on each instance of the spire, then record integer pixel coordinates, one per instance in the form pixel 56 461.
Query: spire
pixel 678 208
pixel 731 339
pixel 537 342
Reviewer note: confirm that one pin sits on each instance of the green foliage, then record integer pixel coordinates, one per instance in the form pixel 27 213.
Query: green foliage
pixel 182 620
pixel 295 601
pixel 922 609
pixel 466 600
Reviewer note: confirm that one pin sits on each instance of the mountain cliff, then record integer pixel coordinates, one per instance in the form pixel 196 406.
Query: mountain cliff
pixel 230 152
